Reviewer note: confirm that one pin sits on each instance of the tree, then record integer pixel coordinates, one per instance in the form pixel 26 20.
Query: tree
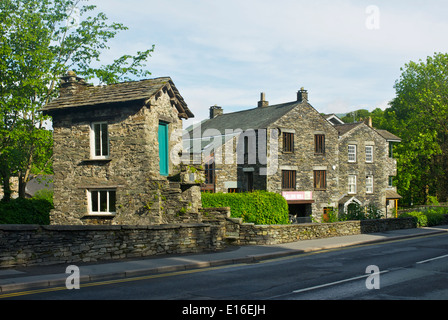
pixel 40 40
pixel 419 115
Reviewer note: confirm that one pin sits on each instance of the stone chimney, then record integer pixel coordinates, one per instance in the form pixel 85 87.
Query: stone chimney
pixel 215 111
pixel 263 103
pixel 368 122
pixel 71 84
pixel 302 95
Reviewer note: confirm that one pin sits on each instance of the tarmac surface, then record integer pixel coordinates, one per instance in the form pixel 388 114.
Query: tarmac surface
pixel 25 278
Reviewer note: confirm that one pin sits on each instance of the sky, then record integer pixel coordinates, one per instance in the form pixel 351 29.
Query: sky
pixel 347 54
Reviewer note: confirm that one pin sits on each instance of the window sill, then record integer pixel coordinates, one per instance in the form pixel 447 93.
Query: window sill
pixel 99 216
pixel 96 160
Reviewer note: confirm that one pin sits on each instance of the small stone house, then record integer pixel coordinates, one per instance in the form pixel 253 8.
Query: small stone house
pixel 112 148
pixel 292 149
pixel 367 166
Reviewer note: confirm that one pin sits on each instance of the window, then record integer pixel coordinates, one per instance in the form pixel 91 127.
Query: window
pixel 99 140
pixel 210 172
pixel 351 153
pixel 320 179
pixel 102 201
pixel 391 181
pixel 288 142
pixel 369 153
pixel 369 184
pixel 249 180
pixel 319 144
pixel 351 184
pixel 288 179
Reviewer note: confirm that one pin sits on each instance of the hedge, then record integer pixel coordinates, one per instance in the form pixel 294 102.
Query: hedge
pixel 25 211
pixel 428 217
pixel 259 207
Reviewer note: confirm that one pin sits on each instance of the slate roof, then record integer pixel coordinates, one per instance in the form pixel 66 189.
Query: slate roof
pixel 256 118
pixel 346 127
pixel 90 95
pixel 388 136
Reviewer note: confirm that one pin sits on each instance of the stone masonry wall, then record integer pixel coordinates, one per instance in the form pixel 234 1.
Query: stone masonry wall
pixel 132 168
pixel 250 234
pixel 27 245
pixel 380 169
pixel 306 123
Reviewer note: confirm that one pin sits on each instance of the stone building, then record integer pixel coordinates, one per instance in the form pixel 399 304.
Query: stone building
pixel 294 150
pixel 112 147
pixel 366 166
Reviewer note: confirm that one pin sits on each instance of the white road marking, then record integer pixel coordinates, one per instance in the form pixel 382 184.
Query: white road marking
pixel 336 282
pixel 432 259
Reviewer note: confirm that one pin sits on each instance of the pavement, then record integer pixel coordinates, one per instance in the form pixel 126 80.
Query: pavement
pixel 27 278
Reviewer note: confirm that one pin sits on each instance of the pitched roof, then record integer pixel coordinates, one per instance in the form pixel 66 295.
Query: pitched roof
pixel 256 118
pixel 346 127
pixel 121 92
pixel 388 136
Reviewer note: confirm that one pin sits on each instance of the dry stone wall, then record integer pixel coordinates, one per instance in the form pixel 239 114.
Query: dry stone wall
pixel 27 245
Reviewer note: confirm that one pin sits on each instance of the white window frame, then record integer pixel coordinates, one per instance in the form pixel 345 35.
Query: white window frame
pixel 93 144
pixel 369 154
pixel 108 210
pixel 352 184
pixel 352 153
pixel 369 184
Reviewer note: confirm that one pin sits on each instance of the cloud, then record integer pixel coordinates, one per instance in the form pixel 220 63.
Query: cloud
pixel 226 52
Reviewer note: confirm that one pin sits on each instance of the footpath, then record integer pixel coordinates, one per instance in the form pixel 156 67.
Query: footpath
pixel 28 278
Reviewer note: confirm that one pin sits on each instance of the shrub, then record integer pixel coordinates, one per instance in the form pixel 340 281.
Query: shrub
pixel 25 211
pixel 428 217
pixel 420 218
pixel 259 207
pixel 44 194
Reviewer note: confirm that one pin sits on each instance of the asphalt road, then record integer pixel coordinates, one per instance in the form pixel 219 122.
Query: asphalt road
pixel 410 269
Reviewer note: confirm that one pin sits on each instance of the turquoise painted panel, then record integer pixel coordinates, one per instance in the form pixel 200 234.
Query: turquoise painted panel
pixel 163 148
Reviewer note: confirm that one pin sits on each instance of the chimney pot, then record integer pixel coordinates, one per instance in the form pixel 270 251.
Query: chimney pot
pixel 368 121
pixel 71 83
pixel 302 95
pixel 263 103
pixel 215 111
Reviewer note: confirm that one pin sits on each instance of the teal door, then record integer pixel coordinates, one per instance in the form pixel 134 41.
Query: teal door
pixel 163 148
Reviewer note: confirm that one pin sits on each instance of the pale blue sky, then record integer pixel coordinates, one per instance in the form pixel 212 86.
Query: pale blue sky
pixel 227 52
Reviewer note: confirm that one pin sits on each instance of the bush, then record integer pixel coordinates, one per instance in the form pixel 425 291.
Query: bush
pixel 25 211
pixel 259 207
pixel 44 194
pixel 420 218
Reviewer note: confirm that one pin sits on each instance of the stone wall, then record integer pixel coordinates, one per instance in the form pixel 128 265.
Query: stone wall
pixel 132 169
pixel 380 168
pixel 306 122
pixel 27 245
pixel 250 234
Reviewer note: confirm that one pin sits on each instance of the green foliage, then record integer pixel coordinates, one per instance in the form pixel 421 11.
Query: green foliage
pixel 428 217
pixel 259 207
pixel 357 212
pixel 40 40
pixel 44 194
pixel 420 109
pixel 25 211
